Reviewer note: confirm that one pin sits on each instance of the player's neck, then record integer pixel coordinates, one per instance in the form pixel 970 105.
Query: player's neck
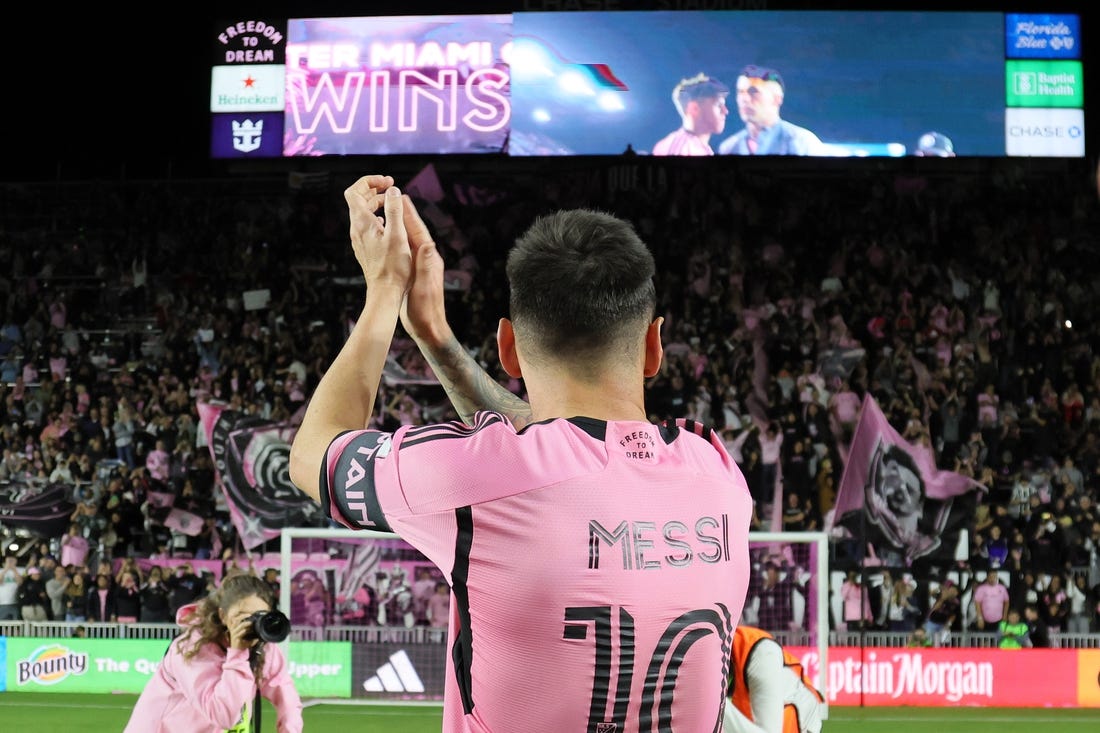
pixel 703 136
pixel 602 400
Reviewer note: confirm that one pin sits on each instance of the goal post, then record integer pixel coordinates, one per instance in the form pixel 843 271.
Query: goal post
pixel 360 632
pixel 789 597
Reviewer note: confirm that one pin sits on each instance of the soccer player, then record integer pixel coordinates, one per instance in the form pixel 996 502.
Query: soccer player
pixel 592 556
pixel 701 103
pixel 769 692
pixel 760 94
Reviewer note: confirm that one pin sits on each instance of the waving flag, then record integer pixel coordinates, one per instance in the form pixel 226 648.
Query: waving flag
pixel 894 500
pixel 44 510
pixel 252 457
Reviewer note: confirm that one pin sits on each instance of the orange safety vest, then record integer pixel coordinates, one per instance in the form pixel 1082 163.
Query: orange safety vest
pixel 745 640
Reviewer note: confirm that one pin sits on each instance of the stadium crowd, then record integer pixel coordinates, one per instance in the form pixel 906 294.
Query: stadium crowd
pixel 961 301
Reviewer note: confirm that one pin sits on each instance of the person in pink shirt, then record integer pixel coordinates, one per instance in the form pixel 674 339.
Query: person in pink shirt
pixel 589 552
pixel 208 678
pixel 844 407
pixel 701 103
pixel 158 461
pixel 74 547
pixel 990 602
pixel 856 602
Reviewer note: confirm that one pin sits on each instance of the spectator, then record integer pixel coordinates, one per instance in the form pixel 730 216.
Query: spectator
pixel 901 611
pixel 74 547
pixel 184 587
pixel 1036 628
pixel 943 614
pixel 1081 602
pixel 439 604
pixel 990 602
pixel 155 602
pixel 10 580
pixel 76 597
pixel 102 602
pixel 128 598
pixel 55 589
pixel 158 462
pixel 1012 633
pixel 856 602
pixel 33 599
pixel 919 639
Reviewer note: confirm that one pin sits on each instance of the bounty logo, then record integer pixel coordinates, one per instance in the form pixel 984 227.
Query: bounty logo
pixel 48 665
pixel 247 135
pixel 396 675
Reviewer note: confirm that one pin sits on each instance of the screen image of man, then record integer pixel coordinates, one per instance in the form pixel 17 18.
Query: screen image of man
pixel 760 93
pixel 701 102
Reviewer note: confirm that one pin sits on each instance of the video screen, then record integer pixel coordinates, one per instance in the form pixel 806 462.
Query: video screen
pixel 661 83
pixel 821 83
pixel 394 85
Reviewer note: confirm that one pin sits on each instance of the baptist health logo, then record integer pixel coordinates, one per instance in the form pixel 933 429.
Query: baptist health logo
pixel 396 675
pixel 247 135
pixel 48 665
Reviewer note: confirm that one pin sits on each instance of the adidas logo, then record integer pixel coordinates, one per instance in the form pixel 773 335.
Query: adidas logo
pixel 396 675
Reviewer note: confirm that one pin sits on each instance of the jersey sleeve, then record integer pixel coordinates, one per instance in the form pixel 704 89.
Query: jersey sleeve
pixel 372 479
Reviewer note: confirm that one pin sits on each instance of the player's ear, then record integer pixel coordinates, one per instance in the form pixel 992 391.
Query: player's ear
pixel 506 348
pixel 654 350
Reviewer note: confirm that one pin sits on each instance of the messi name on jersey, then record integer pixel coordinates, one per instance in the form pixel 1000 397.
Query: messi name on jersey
pixel 647 546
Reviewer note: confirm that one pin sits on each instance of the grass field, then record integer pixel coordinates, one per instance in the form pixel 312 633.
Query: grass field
pixel 23 711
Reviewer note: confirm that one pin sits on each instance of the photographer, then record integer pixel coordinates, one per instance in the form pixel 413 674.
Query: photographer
pixel 209 676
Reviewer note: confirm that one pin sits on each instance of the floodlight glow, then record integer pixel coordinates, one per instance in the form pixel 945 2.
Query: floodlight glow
pixel 573 82
pixel 531 59
pixel 611 102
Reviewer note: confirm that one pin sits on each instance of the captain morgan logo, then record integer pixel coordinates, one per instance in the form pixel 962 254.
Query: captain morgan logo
pixel 48 665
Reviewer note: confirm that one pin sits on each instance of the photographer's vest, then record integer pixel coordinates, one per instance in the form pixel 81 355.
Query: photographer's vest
pixel 744 642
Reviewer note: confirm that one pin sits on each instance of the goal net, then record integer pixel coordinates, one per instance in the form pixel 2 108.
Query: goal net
pixel 362 616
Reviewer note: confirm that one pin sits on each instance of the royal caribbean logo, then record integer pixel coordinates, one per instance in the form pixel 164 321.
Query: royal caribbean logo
pixel 48 665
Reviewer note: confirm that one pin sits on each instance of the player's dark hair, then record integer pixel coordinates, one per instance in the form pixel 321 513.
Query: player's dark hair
pixel 697 87
pixel 581 285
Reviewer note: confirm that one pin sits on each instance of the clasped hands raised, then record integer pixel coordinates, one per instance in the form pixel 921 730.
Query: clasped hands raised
pixel 395 250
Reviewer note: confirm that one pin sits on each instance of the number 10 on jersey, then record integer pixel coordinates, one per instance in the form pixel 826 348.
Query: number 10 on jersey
pixel 661 669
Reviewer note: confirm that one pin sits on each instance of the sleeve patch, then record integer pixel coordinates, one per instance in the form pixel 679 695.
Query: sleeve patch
pixel 352 490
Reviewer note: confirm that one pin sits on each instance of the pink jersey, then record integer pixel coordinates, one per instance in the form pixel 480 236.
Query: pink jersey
pixel 597 569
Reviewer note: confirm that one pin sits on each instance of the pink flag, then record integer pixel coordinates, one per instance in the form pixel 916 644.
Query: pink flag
pixel 251 456
pixel 425 185
pixel 184 521
pixel 161 498
pixel 892 494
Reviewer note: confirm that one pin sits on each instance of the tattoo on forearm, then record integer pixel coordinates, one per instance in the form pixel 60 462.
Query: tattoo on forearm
pixel 470 388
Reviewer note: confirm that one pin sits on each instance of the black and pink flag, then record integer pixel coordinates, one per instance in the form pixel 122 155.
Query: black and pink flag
pixel 44 510
pixel 894 502
pixel 252 457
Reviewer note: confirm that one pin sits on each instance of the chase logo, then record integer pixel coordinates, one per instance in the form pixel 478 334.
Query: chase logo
pixel 1046 133
pixel 48 665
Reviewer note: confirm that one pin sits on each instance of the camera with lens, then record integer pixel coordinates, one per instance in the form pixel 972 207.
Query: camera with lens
pixel 272 626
